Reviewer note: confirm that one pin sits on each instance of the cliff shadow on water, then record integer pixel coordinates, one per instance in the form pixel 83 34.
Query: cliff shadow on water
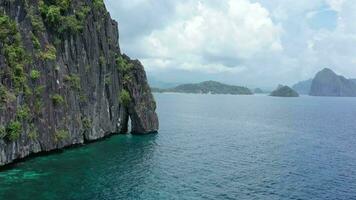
pixel 64 80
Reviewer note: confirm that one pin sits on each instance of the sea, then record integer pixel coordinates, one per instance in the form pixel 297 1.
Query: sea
pixel 208 147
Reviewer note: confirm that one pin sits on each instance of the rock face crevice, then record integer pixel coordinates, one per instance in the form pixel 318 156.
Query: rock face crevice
pixel 62 82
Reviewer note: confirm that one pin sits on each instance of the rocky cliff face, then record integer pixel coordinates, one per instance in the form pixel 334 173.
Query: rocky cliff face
pixel 63 79
pixel 327 83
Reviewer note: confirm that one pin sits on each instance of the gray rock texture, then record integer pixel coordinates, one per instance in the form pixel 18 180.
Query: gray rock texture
pixel 68 89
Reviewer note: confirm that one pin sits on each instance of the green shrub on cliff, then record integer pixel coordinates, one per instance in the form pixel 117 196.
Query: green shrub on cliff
pixel 57 99
pixel 49 53
pixel 87 123
pixel 14 51
pixel 7 27
pixel 23 113
pixel 73 80
pixel 6 96
pixel 13 130
pixel 60 19
pixel 36 43
pixel 70 24
pixel 82 13
pixel 61 135
pixel 98 4
pixel 125 97
pixel 52 14
pixel 2 132
pixel 36 22
pixel 123 65
pixel 102 61
pixel 35 74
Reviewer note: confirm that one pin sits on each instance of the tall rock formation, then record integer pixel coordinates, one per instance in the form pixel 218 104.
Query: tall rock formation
pixel 327 83
pixel 63 79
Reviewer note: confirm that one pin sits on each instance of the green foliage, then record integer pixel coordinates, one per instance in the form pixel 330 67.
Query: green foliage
pixel 82 13
pixel 125 97
pixel 2 132
pixel 59 18
pixel 7 27
pixel 6 96
pixel 49 54
pixel 13 130
pixel 39 90
pixel 23 113
pixel 98 4
pixel 52 11
pixel 74 81
pixel 13 51
pixel 108 79
pixel 63 4
pixel 123 65
pixel 102 61
pixel 57 99
pixel 61 135
pixel 70 24
pixel 212 87
pixel 38 106
pixel 35 74
pixel 83 98
pixel 52 14
pixel 87 123
pixel 127 78
pixel 33 134
pixel 36 43
pixel 36 22
pixel 27 91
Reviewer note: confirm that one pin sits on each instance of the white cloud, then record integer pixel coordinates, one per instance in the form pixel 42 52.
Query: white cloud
pixel 238 31
pixel 336 4
pixel 252 42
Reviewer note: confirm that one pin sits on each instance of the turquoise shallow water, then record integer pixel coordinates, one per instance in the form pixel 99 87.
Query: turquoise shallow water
pixel 209 147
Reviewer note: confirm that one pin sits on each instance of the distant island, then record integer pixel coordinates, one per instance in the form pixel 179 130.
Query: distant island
pixel 258 91
pixel 207 87
pixel 327 83
pixel 284 91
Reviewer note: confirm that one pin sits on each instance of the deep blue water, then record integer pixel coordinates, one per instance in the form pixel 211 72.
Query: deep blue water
pixel 209 147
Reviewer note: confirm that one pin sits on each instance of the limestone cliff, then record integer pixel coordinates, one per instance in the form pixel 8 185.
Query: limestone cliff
pixel 63 79
pixel 328 83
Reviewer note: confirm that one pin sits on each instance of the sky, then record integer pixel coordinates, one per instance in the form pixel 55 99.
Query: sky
pixel 254 43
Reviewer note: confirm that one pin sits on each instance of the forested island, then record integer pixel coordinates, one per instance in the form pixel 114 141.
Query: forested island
pixel 284 91
pixel 207 87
